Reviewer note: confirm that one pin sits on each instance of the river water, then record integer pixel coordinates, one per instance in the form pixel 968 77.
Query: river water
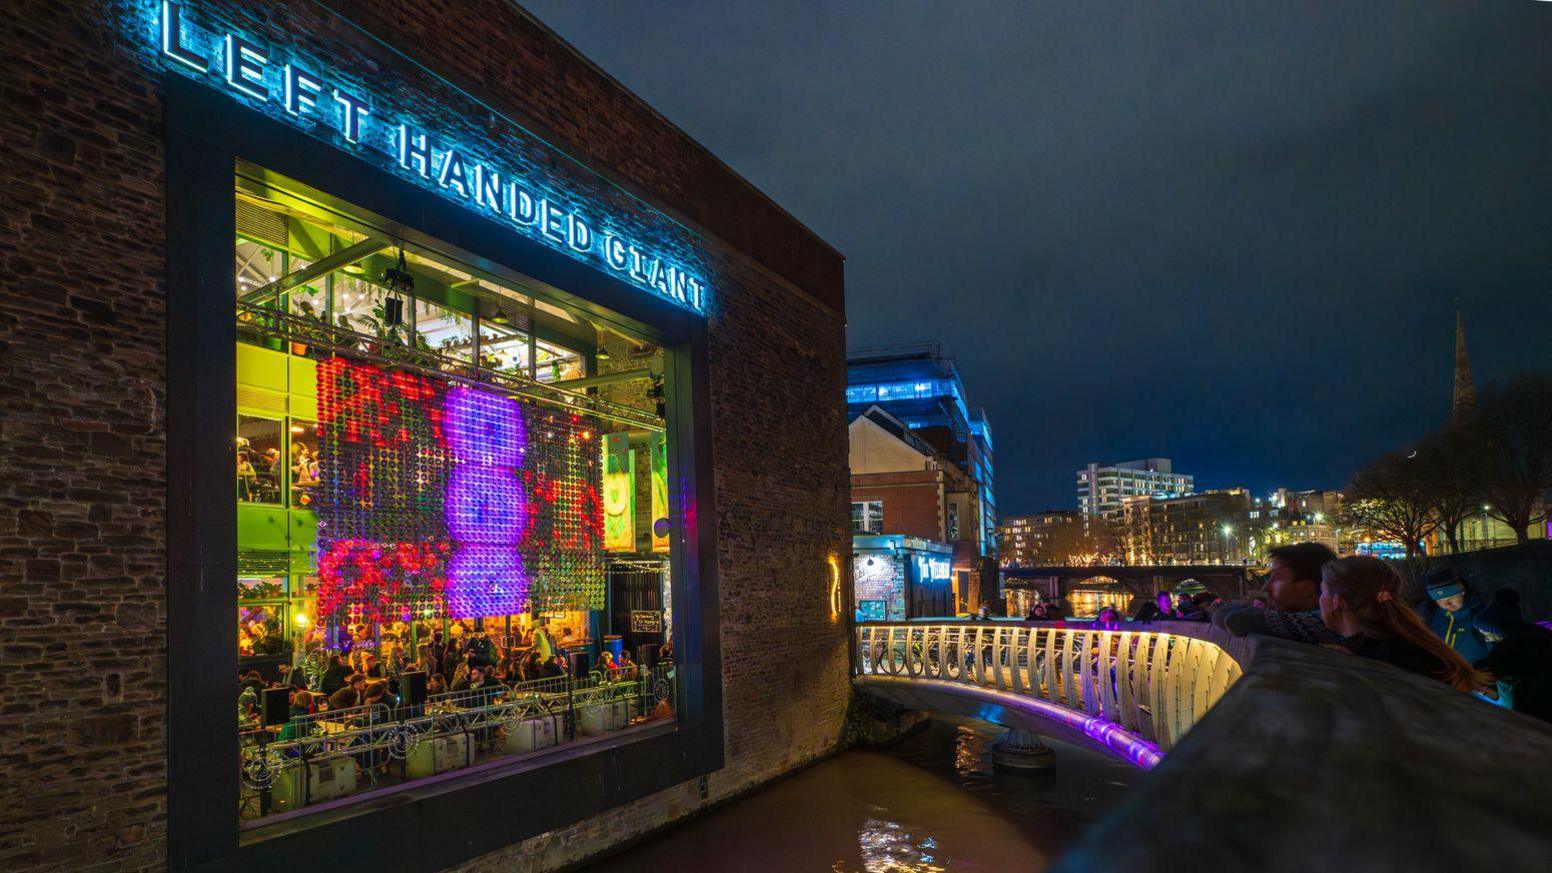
pixel 929 803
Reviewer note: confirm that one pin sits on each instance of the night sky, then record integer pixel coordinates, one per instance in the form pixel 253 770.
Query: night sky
pixel 1224 232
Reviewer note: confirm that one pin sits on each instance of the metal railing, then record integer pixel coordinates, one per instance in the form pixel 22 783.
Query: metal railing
pixel 1154 684
pixel 321 339
pixel 334 754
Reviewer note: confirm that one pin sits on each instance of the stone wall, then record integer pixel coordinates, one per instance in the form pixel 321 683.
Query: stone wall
pixel 83 547
pixel 1315 760
pixel 913 503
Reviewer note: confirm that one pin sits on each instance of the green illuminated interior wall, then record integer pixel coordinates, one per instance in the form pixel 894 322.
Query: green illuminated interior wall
pixel 276 540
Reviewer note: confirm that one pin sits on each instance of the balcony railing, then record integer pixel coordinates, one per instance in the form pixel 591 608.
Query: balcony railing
pixel 327 757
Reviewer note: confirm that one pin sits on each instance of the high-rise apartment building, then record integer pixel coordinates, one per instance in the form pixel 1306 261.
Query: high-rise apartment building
pixel 1103 488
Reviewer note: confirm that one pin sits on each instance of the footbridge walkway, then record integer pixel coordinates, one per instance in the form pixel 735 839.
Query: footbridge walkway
pixel 1263 754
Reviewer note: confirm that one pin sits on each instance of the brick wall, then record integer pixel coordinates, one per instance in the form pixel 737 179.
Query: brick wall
pixel 82 440
pixel 912 505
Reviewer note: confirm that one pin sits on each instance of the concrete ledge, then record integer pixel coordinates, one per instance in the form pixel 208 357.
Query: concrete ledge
pixel 1316 760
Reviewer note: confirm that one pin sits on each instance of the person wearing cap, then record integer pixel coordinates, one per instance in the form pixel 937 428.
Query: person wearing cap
pixel 1450 612
pixel 1521 656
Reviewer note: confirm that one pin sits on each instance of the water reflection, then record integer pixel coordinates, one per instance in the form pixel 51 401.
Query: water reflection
pixel 887 847
pixel 930 803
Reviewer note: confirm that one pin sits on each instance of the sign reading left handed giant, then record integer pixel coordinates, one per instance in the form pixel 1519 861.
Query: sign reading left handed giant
pixel 308 98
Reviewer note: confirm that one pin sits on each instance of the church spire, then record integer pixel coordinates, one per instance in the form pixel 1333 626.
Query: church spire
pixel 1465 399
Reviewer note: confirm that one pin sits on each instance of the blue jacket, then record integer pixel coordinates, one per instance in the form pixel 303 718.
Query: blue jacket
pixel 1455 628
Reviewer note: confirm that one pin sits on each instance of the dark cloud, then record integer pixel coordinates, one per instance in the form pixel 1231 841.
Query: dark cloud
pixel 1227 232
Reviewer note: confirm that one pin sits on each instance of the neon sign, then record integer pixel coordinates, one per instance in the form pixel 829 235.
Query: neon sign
pixel 250 72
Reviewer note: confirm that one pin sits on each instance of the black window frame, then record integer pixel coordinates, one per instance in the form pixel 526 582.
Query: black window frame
pixel 443 821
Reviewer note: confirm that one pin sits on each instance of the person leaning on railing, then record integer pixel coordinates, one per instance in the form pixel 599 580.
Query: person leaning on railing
pixel 1360 600
pixel 1293 588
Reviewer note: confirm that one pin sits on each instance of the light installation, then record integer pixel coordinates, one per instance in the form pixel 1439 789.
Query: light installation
pixel 449 499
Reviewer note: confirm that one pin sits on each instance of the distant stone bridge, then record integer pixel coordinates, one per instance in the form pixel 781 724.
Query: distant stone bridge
pixel 1225 580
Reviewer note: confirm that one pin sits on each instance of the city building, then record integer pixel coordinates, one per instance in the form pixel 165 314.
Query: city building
pixel 1052 537
pixel 898 577
pixel 375 340
pixel 902 485
pixel 920 388
pixel 1209 527
pixel 1297 517
pixel 1103 488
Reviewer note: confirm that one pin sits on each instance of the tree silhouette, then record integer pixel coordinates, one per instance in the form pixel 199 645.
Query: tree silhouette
pixel 1391 497
pixel 1511 449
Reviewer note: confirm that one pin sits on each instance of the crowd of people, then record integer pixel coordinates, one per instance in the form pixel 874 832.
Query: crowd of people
pixel 362 671
pixel 1356 605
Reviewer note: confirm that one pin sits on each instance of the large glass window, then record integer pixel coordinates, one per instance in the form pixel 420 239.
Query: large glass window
pixel 444 558
pixel 260 464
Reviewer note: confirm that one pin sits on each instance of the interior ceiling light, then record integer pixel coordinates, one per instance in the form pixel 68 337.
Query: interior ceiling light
pixel 603 354
pixel 500 317
pixel 355 269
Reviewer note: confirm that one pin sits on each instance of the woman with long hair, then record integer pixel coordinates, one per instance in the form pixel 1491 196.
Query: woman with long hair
pixel 1360 599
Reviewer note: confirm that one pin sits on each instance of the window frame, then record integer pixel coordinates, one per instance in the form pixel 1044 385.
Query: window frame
pixel 445 821
pixel 867 515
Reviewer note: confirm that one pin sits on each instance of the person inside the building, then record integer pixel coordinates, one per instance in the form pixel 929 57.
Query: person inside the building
pixel 607 665
pixel 296 726
pixel 1360 601
pixel 435 685
pixel 294 677
pixel 1450 612
pixel 335 676
pixel 1293 594
pixel 1520 660
pixel 352 695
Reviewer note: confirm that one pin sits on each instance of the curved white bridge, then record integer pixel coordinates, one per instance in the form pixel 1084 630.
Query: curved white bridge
pixel 1133 693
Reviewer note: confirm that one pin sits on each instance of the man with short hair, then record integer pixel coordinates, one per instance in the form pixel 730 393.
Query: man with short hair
pixel 352 695
pixel 1293 587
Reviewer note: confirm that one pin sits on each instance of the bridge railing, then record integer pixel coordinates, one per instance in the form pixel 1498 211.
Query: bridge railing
pixel 1154 683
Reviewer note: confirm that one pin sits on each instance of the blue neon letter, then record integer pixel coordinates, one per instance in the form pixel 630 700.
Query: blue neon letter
pixel 578 235
pixel 551 221
pixel 487 188
pixel 520 205
pixel 245 67
pixel 172 38
pixel 614 252
pixel 355 109
pixel 301 90
pixel 453 173
pixel 414 151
